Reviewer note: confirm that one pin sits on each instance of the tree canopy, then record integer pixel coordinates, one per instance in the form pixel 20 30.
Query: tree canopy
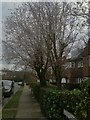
pixel 39 34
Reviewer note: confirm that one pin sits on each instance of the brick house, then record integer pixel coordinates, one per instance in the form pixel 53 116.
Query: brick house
pixel 86 60
pixel 79 67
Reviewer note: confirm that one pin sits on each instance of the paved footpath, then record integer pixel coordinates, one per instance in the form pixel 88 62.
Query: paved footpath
pixel 28 106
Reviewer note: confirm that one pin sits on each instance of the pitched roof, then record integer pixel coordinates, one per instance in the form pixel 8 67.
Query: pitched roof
pixel 80 52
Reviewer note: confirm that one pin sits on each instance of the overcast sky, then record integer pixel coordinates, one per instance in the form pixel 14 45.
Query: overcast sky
pixel 5 10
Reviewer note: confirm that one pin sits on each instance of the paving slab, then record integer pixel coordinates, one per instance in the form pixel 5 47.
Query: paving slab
pixel 28 106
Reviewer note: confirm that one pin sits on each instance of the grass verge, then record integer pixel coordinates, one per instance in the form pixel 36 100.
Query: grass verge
pixel 10 109
pixel 8 114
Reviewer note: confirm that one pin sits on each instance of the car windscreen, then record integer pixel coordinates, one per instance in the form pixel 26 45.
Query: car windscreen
pixel 7 83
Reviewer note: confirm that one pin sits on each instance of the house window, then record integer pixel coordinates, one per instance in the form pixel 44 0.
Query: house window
pixel 70 65
pixel 67 65
pixel 79 80
pixel 73 64
pixel 89 59
pixel 80 64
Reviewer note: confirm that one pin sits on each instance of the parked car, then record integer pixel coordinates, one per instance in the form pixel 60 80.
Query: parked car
pixel 1 89
pixel 8 87
pixel 19 83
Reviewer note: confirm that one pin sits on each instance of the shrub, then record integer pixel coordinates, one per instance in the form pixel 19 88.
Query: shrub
pixel 36 91
pixel 50 103
pixel 71 99
pixel 32 84
pixel 70 86
pixel 53 101
pixel 84 105
pixel 85 84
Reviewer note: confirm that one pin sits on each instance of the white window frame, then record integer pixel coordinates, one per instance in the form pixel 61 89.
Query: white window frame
pixel 73 64
pixel 70 65
pixel 80 64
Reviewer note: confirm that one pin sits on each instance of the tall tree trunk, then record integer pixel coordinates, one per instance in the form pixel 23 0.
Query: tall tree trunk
pixel 41 72
pixel 58 75
pixel 41 76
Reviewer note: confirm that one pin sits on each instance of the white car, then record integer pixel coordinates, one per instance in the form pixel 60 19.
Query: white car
pixel 19 83
pixel 8 88
pixel 0 92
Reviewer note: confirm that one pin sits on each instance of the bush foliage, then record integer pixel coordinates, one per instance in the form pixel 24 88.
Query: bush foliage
pixel 84 105
pixel 53 101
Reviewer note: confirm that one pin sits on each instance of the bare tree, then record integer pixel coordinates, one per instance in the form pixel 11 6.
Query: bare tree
pixel 38 33
pixel 60 29
pixel 24 45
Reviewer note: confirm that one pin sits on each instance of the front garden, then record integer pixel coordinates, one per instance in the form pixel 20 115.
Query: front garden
pixel 54 100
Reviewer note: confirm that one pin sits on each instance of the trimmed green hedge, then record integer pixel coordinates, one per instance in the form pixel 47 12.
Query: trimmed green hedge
pixel 84 105
pixel 50 103
pixel 36 91
pixel 69 86
pixel 53 100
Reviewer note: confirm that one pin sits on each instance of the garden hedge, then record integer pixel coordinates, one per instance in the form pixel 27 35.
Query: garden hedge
pixel 53 101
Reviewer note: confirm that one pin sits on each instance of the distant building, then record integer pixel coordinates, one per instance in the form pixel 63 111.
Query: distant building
pixel 78 67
